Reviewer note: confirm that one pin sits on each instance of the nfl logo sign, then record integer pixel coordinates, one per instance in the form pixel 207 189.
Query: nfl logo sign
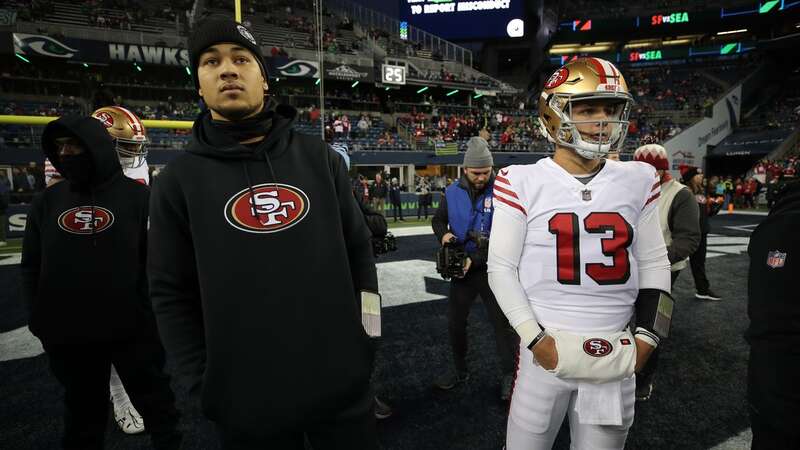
pixel 586 195
pixel 776 259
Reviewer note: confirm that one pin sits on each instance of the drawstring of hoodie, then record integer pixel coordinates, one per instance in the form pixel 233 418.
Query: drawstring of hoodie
pixel 94 238
pixel 252 191
pixel 253 210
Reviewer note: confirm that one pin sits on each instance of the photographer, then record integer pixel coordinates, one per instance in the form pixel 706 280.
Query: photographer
pixel 464 219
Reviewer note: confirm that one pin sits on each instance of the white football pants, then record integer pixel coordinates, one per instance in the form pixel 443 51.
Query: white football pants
pixel 541 400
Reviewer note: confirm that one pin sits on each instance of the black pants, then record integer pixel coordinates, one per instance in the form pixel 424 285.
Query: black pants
pixel 422 206
pixel 773 396
pixel 462 294
pixel 646 375
pixel 397 210
pixel 84 369
pixel 698 263
pixel 353 428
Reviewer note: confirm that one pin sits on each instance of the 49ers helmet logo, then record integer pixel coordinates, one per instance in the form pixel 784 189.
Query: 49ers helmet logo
pixel 270 208
pixel 557 78
pixel 79 220
pixel 106 119
pixel 597 347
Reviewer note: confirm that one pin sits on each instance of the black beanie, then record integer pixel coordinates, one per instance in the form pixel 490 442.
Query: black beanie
pixel 217 30
pixel 689 174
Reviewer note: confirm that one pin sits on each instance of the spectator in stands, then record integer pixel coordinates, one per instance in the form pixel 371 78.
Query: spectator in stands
pixel 363 127
pixel 269 367
pixel 692 177
pixel 378 193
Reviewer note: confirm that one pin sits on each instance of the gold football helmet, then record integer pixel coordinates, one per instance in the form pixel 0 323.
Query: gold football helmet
pixel 585 80
pixel 130 137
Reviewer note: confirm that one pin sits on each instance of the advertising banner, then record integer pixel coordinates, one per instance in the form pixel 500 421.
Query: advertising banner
pixel 689 147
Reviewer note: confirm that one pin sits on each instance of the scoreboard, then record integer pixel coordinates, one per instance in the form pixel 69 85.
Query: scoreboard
pixel 466 19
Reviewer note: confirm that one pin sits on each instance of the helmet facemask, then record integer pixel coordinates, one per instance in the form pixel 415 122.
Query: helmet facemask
pixel 576 134
pixel 132 154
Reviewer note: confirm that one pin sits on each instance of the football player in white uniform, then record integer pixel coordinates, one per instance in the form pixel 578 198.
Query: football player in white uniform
pixel 130 140
pixel 576 249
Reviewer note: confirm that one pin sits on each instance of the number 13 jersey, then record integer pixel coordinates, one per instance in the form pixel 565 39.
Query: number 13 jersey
pixel 588 248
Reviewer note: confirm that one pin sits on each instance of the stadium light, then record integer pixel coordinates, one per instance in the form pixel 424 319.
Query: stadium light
pixel 137 67
pixel 354 84
pixel 721 33
pixel 451 93
pixel 85 65
pixel 422 90
pixel 22 58
pixel 188 71
pixel 478 96
pixel 317 82
pixel 387 89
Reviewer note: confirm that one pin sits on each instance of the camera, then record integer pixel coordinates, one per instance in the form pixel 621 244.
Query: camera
pixel 385 244
pixel 450 260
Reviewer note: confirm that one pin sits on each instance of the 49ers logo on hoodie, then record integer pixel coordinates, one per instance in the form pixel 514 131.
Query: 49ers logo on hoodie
pixel 79 220
pixel 268 209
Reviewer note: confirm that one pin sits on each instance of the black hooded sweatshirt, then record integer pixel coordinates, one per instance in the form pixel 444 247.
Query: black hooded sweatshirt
pixel 774 250
pixel 256 295
pixel 82 282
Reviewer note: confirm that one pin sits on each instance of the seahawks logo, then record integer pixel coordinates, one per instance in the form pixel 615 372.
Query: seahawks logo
pixel 299 68
pixel 43 45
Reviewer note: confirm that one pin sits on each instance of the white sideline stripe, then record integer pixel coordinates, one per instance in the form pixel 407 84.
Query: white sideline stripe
pixel 19 344
pixel 10 259
pixel 739 442
pixel 411 231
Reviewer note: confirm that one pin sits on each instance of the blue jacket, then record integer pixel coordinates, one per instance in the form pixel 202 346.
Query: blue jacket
pixel 466 214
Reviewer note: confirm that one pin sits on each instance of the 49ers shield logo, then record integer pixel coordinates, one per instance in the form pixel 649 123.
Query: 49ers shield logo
pixel 597 347
pixel 269 209
pixel 79 220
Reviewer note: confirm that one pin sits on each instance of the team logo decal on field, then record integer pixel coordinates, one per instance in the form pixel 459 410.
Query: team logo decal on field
pixel 776 259
pixel 269 209
pixel 597 347
pixel 557 78
pixel 79 220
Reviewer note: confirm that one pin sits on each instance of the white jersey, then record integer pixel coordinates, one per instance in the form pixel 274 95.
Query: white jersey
pixel 586 249
pixel 140 174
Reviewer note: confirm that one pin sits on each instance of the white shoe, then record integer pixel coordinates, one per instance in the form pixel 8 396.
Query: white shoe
pixel 129 420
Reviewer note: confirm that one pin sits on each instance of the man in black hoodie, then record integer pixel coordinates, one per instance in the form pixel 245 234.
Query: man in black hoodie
pixel 259 257
pixel 774 332
pixel 84 280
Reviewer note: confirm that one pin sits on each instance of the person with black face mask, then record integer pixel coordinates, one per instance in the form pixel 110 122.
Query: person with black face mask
pixel 84 281
pixel 260 262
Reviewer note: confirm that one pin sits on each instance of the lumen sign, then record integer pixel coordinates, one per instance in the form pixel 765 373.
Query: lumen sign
pixel 679 17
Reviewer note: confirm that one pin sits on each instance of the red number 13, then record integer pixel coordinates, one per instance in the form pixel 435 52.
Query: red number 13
pixel 568 254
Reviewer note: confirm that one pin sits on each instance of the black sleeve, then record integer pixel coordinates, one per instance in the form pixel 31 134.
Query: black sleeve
pixel 174 285
pixel 684 224
pixel 32 253
pixel 440 219
pixel 356 233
